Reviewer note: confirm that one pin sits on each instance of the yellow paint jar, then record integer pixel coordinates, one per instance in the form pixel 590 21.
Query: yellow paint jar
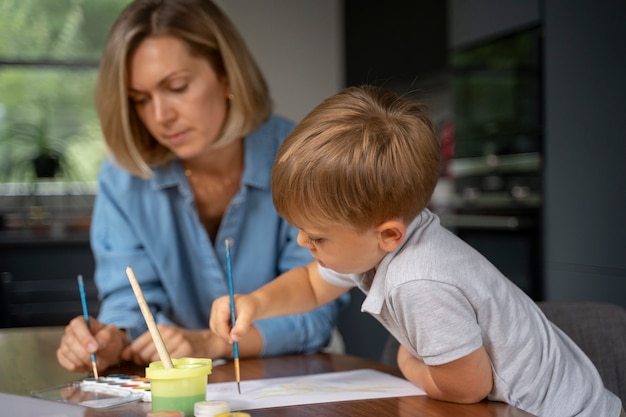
pixel 180 387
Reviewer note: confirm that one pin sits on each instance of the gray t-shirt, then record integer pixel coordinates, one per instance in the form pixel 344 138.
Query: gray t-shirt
pixel 442 300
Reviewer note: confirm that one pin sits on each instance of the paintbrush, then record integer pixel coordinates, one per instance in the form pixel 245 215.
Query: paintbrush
pixel 83 300
pixel 232 311
pixel 149 318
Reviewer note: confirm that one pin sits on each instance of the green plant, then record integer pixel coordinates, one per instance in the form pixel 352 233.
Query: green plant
pixel 31 151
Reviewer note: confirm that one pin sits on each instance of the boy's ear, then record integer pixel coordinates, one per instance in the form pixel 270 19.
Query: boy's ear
pixel 390 234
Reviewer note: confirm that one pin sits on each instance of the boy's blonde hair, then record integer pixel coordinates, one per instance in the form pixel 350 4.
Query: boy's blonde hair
pixel 361 157
pixel 208 33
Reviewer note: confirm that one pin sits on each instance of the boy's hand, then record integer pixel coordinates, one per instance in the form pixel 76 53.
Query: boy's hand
pixel 245 312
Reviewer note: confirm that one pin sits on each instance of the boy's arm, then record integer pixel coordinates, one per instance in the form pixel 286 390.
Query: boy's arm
pixel 466 380
pixel 296 291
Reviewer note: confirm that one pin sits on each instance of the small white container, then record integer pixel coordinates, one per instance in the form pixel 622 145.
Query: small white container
pixel 233 414
pixel 166 413
pixel 211 408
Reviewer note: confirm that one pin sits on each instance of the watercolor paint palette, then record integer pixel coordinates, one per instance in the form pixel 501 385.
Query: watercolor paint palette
pixel 104 392
pixel 120 384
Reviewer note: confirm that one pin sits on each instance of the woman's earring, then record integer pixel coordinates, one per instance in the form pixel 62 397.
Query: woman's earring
pixel 231 96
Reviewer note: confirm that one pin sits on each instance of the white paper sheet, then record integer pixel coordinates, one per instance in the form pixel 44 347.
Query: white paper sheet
pixel 360 384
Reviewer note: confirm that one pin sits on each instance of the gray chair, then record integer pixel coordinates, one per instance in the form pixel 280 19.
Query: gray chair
pixel 599 329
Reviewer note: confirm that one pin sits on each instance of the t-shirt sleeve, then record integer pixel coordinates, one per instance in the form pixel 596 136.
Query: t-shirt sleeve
pixel 340 280
pixel 439 320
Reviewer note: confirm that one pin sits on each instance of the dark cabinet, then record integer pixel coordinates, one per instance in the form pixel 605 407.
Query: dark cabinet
pixel 497 165
pixel 39 279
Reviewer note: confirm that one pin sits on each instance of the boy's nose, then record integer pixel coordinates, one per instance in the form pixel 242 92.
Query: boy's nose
pixel 303 240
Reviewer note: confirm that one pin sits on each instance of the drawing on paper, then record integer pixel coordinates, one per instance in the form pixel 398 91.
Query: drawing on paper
pixel 310 389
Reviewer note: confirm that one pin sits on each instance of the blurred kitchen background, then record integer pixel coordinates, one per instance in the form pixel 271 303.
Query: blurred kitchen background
pixel 527 97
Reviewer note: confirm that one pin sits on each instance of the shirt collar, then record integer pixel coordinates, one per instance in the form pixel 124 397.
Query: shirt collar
pixel 259 157
pixel 168 175
pixel 382 282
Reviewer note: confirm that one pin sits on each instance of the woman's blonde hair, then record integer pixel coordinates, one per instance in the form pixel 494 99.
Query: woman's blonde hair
pixel 361 157
pixel 209 33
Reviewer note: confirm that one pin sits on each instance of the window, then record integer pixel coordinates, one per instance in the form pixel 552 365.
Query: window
pixel 49 55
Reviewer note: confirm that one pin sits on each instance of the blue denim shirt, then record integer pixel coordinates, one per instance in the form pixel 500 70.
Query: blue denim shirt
pixel 153 226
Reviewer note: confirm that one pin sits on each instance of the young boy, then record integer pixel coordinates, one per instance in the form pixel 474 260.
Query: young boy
pixel 355 177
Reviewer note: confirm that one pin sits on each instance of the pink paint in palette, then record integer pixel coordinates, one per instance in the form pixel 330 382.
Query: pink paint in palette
pixel 104 392
pixel 120 384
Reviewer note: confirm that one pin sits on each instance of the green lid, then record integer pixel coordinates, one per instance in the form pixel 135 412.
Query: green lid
pixel 183 368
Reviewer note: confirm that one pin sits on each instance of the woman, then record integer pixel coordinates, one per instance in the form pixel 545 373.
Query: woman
pixel 186 115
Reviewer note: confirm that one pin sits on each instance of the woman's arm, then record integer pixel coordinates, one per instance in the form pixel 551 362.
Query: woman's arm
pixel 116 244
pixel 308 332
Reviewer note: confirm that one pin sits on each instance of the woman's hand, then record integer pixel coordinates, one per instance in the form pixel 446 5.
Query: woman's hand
pixel 78 343
pixel 179 342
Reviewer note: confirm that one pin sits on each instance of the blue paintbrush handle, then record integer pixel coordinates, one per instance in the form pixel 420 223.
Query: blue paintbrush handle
pixel 83 301
pixel 231 292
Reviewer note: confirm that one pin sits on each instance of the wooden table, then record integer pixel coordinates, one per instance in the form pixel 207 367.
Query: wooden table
pixel 28 362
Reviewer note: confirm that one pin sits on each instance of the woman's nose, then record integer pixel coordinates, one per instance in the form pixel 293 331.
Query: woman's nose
pixel 163 110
